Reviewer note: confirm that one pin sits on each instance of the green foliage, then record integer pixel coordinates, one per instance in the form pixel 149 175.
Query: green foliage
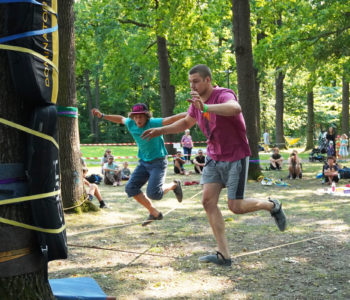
pixel 115 42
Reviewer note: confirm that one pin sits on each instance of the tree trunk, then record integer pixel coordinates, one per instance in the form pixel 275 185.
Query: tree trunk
pixel 23 277
pixel 246 78
pixel 310 121
pixel 345 108
pixel 70 165
pixel 89 102
pixel 167 91
pixel 280 142
pixel 97 102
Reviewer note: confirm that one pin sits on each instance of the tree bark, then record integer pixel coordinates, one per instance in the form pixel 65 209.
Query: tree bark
pixel 310 121
pixel 246 78
pixel 167 91
pixel 345 107
pixel 70 164
pixel 20 278
pixel 89 102
pixel 280 141
pixel 97 102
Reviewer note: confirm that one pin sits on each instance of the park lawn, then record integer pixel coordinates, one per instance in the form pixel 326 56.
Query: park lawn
pixel 310 260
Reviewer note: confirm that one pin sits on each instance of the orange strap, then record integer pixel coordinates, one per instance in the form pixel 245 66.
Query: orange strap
pixel 13 254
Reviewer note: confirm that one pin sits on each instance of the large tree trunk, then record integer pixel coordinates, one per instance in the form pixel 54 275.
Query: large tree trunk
pixel 246 78
pixel 70 165
pixel 97 102
pixel 23 277
pixel 280 142
pixel 167 91
pixel 310 121
pixel 89 101
pixel 345 107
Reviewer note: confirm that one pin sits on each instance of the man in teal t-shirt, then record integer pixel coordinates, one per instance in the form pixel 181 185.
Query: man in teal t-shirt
pixel 152 154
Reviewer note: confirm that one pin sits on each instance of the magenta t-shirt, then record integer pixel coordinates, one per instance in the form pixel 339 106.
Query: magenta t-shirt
pixel 226 136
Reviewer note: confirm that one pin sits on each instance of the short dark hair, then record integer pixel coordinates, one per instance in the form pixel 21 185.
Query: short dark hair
pixel 202 70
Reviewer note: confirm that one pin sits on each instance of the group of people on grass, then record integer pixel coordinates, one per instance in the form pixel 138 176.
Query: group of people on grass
pixel 330 170
pixel 218 114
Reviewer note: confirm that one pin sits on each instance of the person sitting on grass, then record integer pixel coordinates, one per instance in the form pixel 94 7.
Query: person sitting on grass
pixel 330 170
pixel 294 165
pixel 179 162
pixel 93 190
pixel 125 171
pixel 112 172
pixel 153 161
pixel 199 162
pixel 276 159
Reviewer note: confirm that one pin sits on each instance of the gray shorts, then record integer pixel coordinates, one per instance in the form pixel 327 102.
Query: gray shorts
pixel 231 174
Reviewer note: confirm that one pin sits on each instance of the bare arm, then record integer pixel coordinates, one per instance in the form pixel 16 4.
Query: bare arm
pixel 174 118
pixel 112 118
pixel 229 108
pixel 178 126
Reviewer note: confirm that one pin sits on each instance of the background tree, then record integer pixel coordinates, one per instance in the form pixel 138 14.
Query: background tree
pixel 70 164
pixel 246 78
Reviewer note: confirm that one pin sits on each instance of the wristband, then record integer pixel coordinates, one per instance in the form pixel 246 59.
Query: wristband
pixel 102 116
pixel 205 108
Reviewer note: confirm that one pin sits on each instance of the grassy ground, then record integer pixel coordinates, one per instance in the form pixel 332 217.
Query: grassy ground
pixel 310 260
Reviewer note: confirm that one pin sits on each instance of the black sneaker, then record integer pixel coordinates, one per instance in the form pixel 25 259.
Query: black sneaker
pixel 178 191
pixel 90 197
pixel 217 258
pixel 152 218
pixel 278 214
pixel 103 204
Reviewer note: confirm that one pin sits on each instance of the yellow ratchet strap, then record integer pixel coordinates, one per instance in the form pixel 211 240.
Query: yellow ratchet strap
pixel 26 50
pixel 31 131
pixel 31 227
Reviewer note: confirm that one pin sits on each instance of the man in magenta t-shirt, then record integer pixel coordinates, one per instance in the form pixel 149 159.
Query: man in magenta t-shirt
pixel 219 115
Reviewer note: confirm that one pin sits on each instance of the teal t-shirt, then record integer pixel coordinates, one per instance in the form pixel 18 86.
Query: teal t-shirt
pixel 148 150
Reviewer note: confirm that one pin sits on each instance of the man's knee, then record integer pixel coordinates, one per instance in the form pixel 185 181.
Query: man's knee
pixel 155 194
pixel 236 206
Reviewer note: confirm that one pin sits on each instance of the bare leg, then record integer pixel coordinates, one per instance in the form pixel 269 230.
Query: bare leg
pixel 177 164
pixel 242 206
pixel 147 203
pixel 211 192
pixel 93 190
pixel 169 187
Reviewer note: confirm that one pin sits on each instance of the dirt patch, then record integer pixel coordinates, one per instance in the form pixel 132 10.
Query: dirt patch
pixel 310 260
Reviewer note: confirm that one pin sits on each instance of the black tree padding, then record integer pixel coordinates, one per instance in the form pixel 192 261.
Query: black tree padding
pixel 43 176
pixel 31 38
pixel 35 79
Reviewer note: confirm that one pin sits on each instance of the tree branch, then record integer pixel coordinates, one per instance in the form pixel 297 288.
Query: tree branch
pixel 149 47
pixel 325 34
pixel 128 21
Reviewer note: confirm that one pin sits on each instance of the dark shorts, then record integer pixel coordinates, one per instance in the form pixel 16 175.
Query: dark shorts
pixel 152 171
pixel 231 174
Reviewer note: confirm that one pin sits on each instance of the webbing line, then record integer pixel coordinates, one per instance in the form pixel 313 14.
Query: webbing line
pixel 29 198
pixel 27 34
pixel 232 257
pixel 128 224
pixel 26 50
pixel 31 131
pixel 48 8
pixel 31 227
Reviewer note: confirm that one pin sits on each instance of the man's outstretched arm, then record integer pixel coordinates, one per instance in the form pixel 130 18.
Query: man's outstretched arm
pixel 112 118
pixel 176 127
pixel 172 119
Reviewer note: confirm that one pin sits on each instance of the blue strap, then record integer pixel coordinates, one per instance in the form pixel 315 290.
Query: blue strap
pixel 17 1
pixel 26 34
pixel 30 1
